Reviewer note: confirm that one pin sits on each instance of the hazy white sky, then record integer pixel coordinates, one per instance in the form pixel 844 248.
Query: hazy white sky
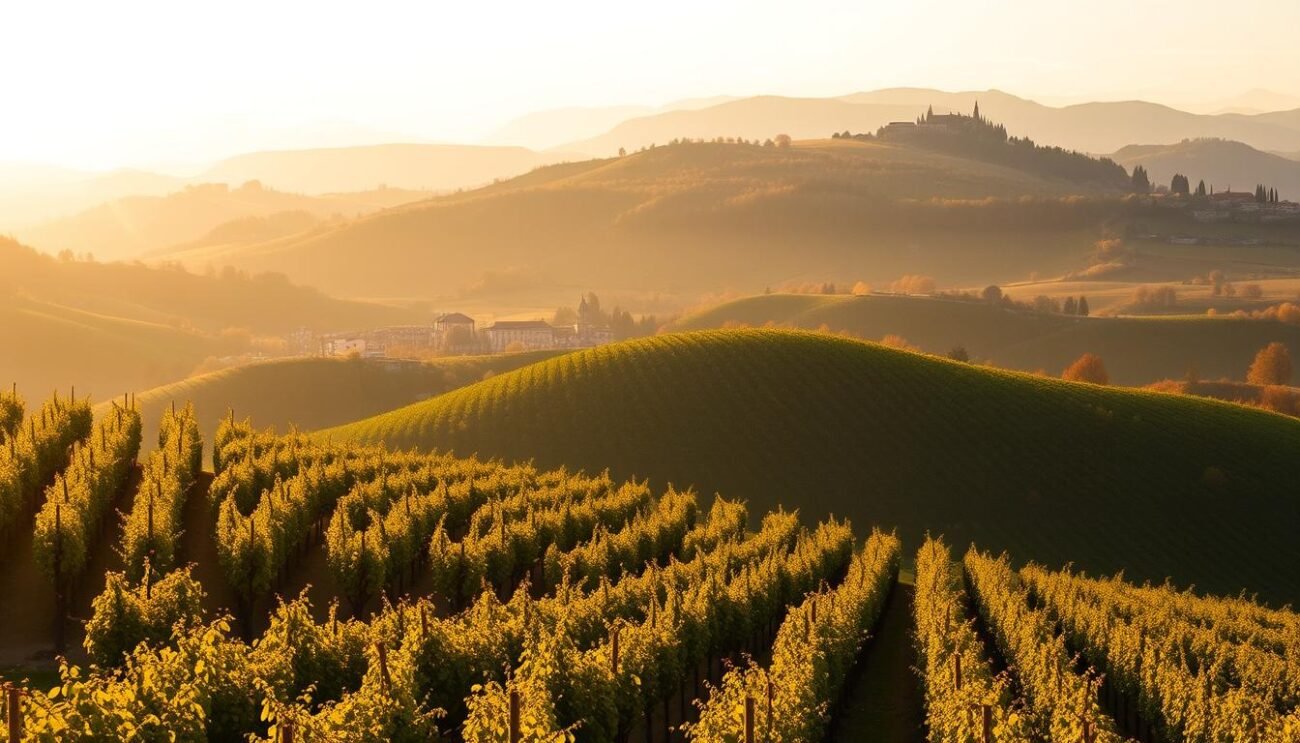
pixel 137 82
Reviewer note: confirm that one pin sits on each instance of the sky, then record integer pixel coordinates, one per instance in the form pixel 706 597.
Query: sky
pixel 171 85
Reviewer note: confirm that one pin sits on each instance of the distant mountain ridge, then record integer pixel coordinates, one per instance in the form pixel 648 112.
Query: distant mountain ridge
pixel 425 167
pixel 133 226
pixel 1097 127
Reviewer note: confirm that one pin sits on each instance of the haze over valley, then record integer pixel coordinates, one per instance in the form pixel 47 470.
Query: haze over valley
pixel 703 373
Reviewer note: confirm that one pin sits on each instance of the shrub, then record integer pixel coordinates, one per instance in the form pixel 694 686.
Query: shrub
pixel 1087 368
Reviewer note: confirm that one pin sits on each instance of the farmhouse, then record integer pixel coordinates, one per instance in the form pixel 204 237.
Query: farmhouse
pixel 453 332
pixel 529 335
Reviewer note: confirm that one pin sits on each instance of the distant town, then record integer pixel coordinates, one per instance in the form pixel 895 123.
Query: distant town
pixel 456 333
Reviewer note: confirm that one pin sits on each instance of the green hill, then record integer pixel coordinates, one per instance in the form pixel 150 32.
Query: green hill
pixel 1158 485
pixel 698 217
pixel 313 393
pixel 1137 350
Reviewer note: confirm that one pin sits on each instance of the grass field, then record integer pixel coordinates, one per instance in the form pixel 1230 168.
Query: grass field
pixel 1157 485
pixel 1136 350
pixel 313 393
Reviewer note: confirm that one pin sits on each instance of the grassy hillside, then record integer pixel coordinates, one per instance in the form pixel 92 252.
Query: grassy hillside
pixel 313 393
pixel 113 327
pixel 49 346
pixel 1220 163
pixel 1137 350
pixel 1155 484
pixel 691 218
pixel 132 226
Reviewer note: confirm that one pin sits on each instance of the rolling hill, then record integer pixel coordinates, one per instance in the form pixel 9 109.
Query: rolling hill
pixel 1157 485
pixel 1087 127
pixel 1137 350
pixel 1220 163
pixel 114 327
pixel 135 225
pixel 313 393
pixel 697 217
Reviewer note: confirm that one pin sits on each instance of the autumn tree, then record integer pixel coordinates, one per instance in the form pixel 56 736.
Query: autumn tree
pixel 1272 365
pixel 1088 368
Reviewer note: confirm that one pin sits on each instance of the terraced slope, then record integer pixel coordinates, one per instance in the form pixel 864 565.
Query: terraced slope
pixel 1157 485
pixel 1137 350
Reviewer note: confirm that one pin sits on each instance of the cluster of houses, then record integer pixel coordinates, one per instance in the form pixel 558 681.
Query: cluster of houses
pixel 1233 206
pixel 456 333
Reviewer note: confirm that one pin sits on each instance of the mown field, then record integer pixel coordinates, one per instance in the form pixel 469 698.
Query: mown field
pixel 1136 350
pixel 312 393
pixel 1156 485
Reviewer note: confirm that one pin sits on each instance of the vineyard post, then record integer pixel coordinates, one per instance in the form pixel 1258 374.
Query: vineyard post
pixel 956 670
pixel 383 665
pixel 988 723
pixel 286 732
pixel 749 719
pixel 516 732
pixel 613 657
pixel 14 699
pixel 770 696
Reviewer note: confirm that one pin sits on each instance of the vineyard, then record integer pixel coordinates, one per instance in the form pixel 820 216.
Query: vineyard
pixel 477 601
pixel 1044 469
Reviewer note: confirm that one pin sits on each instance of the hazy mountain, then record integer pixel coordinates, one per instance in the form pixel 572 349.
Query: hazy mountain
pixel 131 226
pixel 1220 163
pixel 545 129
pixel 1254 101
pixel 429 167
pixel 1087 127
pixel 30 194
pixel 548 129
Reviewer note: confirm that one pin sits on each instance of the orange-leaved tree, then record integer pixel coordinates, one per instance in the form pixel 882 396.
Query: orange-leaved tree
pixel 1272 365
pixel 1087 368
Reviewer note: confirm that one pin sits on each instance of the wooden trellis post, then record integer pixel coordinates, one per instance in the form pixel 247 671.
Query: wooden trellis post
pixel 14 703
pixel 749 719
pixel 516 729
